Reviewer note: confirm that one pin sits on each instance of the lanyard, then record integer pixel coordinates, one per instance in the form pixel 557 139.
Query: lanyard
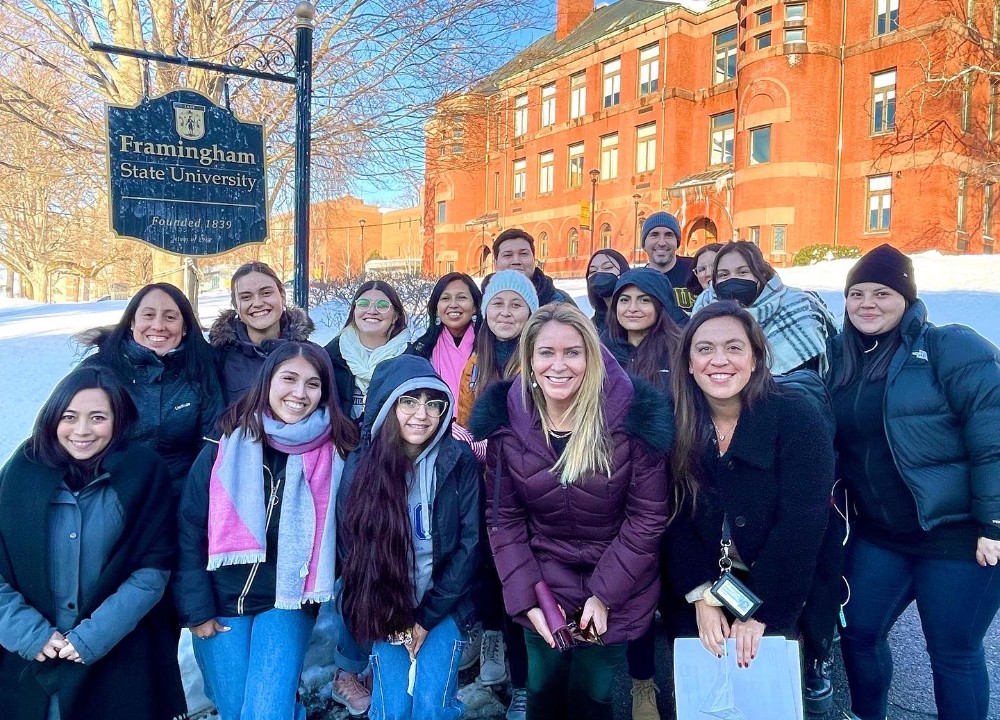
pixel 725 562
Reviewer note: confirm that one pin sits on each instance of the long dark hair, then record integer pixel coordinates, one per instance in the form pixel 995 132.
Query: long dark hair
pixel 692 416
pixel 655 353
pixel 248 411
pixel 853 361
pixel 44 445
pixel 378 575
pixel 425 343
pixel 753 257
pixel 197 364
pixel 693 284
pixel 488 369
pixel 400 323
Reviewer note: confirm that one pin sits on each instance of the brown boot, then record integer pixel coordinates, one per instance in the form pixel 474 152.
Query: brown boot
pixel 644 700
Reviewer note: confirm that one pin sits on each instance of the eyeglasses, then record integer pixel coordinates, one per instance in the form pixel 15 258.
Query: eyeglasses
pixel 409 405
pixel 381 306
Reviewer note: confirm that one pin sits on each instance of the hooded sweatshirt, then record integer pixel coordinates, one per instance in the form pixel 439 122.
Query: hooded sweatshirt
pixel 407 375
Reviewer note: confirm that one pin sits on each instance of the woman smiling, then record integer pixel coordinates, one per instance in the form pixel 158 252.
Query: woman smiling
pixel 577 501
pixel 375 330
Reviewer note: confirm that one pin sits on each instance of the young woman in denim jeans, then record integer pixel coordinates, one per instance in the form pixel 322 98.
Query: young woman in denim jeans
pixel 918 422
pixel 408 534
pixel 258 534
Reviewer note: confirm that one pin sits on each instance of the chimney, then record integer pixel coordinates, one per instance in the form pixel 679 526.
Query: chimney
pixel 569 15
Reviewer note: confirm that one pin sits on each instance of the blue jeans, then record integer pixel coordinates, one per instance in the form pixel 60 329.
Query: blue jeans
pixel 956 600
pixel 435 690
pixel 253 670
pixel 348 654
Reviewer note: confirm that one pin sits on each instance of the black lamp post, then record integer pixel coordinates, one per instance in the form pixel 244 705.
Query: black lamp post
pixel 594 176
pixel 361 222
pixel 635 241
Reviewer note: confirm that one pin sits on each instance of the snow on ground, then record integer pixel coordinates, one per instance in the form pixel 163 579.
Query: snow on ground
pixel 37 349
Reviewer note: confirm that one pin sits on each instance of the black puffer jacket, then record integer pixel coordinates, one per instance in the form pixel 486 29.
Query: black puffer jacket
pixel 175 413
pixel 941 414
pixel 455 510
pixel 238 359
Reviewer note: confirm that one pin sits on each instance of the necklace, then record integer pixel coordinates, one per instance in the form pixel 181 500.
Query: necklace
pixel 721 435
pixel 871 348
pixel 560 435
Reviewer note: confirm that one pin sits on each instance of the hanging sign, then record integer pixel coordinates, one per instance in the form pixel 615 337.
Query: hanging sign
pixel 185 175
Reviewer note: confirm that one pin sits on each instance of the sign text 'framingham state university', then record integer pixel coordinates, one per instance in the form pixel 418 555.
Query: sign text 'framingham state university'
pixel 186 175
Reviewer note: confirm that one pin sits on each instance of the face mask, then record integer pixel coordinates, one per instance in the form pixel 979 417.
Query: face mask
pixel 602 284
pixel 738 289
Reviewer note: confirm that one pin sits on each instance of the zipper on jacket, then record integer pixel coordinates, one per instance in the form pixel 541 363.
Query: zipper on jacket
pixel 252 575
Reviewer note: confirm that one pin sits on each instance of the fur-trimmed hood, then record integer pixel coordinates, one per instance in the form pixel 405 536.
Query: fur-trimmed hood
pixel 295 325
pixel 649 416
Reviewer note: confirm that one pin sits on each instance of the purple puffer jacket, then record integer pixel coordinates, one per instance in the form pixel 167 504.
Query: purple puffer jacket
pixel 599 536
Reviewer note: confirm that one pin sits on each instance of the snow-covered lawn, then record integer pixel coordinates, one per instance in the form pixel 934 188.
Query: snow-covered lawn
pixel 36 349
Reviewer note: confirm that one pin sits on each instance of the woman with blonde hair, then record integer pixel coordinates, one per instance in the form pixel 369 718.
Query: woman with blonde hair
pixel 577 501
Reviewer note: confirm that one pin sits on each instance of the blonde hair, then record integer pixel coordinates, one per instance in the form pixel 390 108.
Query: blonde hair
pixel 589 448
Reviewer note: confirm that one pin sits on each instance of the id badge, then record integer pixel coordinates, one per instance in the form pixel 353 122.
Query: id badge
pixel 735 596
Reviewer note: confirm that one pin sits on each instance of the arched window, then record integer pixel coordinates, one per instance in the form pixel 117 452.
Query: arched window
pixel 574 243
pixel 543 246
pixel 605 236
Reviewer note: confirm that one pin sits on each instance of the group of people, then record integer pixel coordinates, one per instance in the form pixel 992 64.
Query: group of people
pixel 521 486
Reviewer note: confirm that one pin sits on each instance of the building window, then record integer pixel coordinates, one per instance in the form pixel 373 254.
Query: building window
pixel 612 82
pixel 879 203
pixel 725 56
pixel 795 12
pixel 496 191
pixel 649 69
pixel 762 41
pixel 723 135
pixel 760 145
pixel 577 95
pixel 963 189
pixel 779 239
pixel 883 102
pixel 520 115
pixel 605 236
pixel 574 242
pixel 543 245
pixel 987 211
pixel 609 157
pixel 763 17
pixel 645 148
pixel 441 211
pixel 520 178
pixel 754 235
pixel 967 102
pixel 886 16
pixel 575 176
pixel 549 105
pixel 795 35
pixel 546 171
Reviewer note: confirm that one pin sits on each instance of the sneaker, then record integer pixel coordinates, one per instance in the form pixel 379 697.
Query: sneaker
pixel 349 691
pixel 644 700
pixel 470 655
pixel 518 708
pixel 818 690
pixel 492 662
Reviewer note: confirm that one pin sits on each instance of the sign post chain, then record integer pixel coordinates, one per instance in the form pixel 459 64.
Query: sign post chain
pixel 305 16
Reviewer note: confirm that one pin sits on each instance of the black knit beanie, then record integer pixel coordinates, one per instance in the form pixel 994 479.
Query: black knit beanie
pixel 887 266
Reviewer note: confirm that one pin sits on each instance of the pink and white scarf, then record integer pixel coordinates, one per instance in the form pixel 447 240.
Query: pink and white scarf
pixel 449 359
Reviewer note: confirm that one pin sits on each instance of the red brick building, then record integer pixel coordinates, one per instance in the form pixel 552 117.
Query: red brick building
pixel 766 120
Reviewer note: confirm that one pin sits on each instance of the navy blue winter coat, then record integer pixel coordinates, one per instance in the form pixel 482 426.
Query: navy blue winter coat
pixel 942 418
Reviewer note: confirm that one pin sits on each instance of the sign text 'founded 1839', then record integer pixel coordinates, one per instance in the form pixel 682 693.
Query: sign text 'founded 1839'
pixel 186 175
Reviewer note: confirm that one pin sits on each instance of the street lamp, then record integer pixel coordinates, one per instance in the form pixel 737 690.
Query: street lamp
pixel 594 176
pixel 361 222
pixel 635 241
